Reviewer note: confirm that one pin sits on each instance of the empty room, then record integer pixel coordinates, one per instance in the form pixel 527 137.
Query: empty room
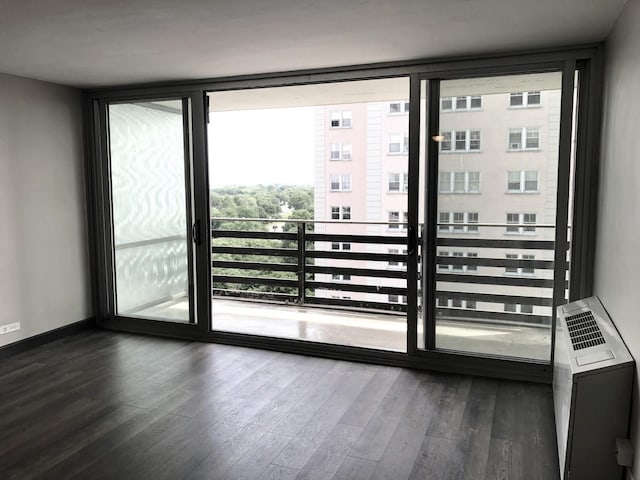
pixel 319 240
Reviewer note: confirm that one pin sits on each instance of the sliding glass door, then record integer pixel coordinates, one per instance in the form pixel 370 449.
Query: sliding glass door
pixel 407 215
pixel 149 173
pixel 492 215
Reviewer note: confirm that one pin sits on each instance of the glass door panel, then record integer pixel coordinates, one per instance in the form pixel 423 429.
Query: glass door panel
pixel 309 195
pixel 498 144
pixel 150 209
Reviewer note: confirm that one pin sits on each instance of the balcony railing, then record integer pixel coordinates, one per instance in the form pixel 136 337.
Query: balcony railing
pixel 293 261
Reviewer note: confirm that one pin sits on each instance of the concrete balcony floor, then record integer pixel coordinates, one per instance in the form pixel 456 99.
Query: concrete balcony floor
pixel 384 331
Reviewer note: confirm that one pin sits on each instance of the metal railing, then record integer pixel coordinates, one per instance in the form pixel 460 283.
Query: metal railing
pixel 297 264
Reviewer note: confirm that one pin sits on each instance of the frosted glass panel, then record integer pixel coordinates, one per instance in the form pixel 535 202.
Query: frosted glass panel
pixel 149 209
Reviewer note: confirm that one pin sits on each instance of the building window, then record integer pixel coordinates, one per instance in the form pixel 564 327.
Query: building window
pixel 472 217
pixel 521 222
pixel 394 220
pixel 398 144
pixel 340 183
pixel 452 104
pixel 457 267
pixel 511 268
pixel 396 263
pixel 518 308
pixel 338 246
pixel 340 213
pixel 459 182
pixel 528 270
pixel 342 278
pixel 520 270
pixel 398 299
pixel 524 99
pixel 442 266
pixel 459 222
pixel 524 139
pixel 398 107
pixel 340 119
pixel 522 181
pixel 464 141
pixel 394 182
pixel 398 182
pixel 471 268
pixel 340 151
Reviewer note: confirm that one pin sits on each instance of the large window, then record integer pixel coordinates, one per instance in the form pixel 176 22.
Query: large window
pixel 524 138
pixel 524 99
pixel 460 141
pixel 525 181
pixel 459 182
pixel 340 120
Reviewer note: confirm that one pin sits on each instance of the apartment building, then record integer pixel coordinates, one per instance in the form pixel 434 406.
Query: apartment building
pixel 496 181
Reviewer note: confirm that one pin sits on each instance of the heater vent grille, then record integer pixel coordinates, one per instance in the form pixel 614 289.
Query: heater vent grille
pixel 584 330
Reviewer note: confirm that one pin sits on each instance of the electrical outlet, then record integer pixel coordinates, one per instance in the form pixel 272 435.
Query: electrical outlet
pixel 9 327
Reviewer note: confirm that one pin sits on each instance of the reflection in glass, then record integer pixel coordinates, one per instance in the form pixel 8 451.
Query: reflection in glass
pixel 149 209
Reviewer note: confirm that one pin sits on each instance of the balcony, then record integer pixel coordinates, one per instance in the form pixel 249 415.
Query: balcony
pixel 318 290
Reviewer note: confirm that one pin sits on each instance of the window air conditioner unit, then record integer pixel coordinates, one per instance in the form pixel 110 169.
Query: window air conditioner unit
pixel 592 380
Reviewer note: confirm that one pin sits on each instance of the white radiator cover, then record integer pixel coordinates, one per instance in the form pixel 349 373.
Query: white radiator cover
pixel 592 381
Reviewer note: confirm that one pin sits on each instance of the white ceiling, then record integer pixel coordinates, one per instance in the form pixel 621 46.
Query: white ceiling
pixel 95 43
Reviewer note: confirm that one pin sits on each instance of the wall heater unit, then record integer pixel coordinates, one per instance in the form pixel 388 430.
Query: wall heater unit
pixel 592 380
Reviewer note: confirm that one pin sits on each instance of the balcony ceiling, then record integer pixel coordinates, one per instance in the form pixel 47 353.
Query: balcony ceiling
pixel 96 43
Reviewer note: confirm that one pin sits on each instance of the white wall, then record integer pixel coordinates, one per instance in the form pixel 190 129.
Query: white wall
pixel 617 274
pixel 44 274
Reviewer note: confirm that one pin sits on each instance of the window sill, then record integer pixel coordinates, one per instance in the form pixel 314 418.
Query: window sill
pixel 519 192
pixel 523 107
pixel 447 152
pixel 459 193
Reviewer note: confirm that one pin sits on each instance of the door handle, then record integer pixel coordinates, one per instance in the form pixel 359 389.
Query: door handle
pixel 412 240
pixel 195 232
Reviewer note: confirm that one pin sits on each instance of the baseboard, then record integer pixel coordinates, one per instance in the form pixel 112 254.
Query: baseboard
pixel 46 337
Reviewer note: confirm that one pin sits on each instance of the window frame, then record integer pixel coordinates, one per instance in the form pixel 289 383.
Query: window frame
pixel 523 133
pixel 522 181
pixel 342 117
pixel 450 137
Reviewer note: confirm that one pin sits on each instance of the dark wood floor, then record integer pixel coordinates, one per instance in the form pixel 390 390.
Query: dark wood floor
pixel 102 405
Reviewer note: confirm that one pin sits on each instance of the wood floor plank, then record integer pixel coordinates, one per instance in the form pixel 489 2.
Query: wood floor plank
pixel 327 458
pixel 131 455
pixel 37 460
pixel 400 455
pixel 354 468
pixel 278 472
pixel 369 399
pixel 314 432
pixel 450 407
pixel 378 432
pixel 105 405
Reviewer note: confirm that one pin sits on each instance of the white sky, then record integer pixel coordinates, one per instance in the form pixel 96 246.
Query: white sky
pixel 270 146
